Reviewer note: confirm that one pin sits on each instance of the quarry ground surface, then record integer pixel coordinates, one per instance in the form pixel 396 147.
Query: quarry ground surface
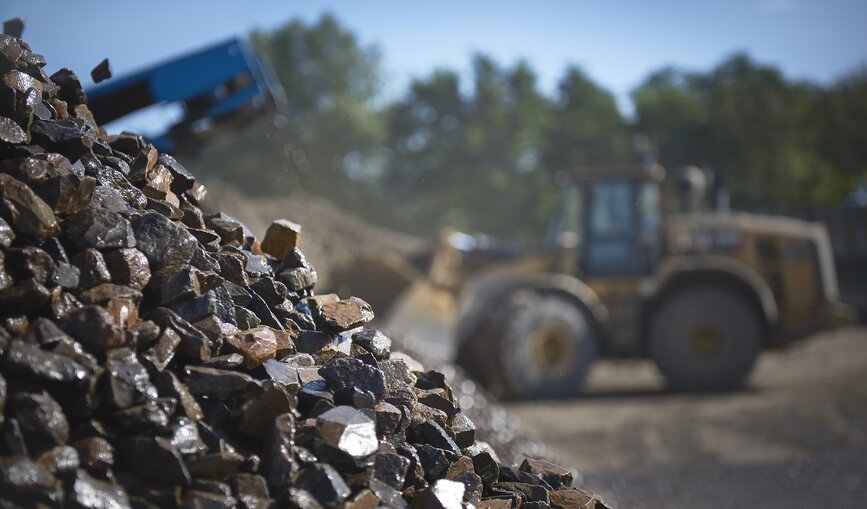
pixel 796 437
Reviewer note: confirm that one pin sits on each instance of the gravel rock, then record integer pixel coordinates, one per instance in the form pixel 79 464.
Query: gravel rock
pixel 152 355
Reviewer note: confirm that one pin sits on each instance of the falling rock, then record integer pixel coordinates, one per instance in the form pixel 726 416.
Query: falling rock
pixel 101 72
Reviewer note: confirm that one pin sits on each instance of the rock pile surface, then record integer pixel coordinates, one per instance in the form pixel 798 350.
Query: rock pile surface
pixel 152 355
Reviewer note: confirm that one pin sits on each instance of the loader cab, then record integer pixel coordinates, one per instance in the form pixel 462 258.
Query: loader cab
pixel 610 222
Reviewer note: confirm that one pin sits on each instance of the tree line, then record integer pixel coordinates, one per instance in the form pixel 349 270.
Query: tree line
pixel 484 156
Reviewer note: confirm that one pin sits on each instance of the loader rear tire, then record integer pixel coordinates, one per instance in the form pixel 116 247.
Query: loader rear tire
pixel 705 339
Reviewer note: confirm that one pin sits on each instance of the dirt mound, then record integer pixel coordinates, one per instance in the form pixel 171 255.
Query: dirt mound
pixel 335 239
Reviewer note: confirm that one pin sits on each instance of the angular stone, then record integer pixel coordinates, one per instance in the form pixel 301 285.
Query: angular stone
pixel 94 327
pixel 436 398
pixel 297 279
pixel 280 238
pixel 168 385
pixel 89 493
pixel 32 363
pixel 553 474
pixel 443 494
pixel 272 292
pixel 277 454
pixel 42 421
pixel 182 179
pixel 182 285
pixel 154 458
pixel 29 263
pixel 25 210
pixel 148 417
pixel 23 297
pixel 215 466
pixel 464 430
pixel 96 454
pixel 60 460
pixel 116 180
pixel 354 397
pixel 163 242
pixel 345 314
pixel 374 342
pixel 101 72
pixel 572 499
pixel 7 235
pixel 67 194
pixel 230 231
pixel 104 293
pixel 194 343
pixel 345 434
pixel 65 275
pixel 13 27
pixel 107 198
pixel 343 372
pixel 391 469
pixel 185 437
pixel 218 383
pixel 271 401
pixel 11 132
pixel 164 351
pixel 128 267
pixel 128 380
pixel 98 228
pixel 92 268
pixel 313 341
pixel 62 136
pixel 325 484
pixel 27 480
pixel 70 87
pixel 257 345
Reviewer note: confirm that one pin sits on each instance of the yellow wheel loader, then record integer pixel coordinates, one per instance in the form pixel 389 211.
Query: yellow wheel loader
pixel 702 294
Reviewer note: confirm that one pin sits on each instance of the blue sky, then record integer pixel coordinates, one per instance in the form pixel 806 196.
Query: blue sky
pixel 618 42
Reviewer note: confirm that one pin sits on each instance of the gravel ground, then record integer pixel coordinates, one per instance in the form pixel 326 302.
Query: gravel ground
pixel 797 437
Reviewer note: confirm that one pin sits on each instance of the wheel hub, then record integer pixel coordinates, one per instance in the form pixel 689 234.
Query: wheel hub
pixel 705 342
pixel 552 348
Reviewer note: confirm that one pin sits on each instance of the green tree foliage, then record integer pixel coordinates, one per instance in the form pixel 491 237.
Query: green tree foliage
pixel 769 137
pixel 471 162
pixel 587 128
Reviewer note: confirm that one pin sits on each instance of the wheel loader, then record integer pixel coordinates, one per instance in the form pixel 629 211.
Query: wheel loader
pixel 699 293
